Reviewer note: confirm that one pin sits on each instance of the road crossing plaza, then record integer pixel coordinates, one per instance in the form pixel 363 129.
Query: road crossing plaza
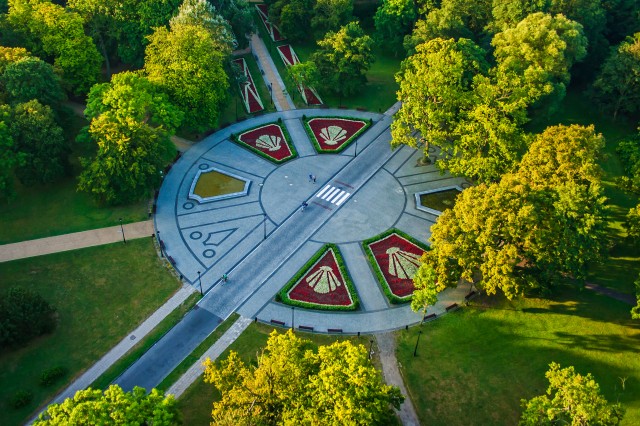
pixel 333 195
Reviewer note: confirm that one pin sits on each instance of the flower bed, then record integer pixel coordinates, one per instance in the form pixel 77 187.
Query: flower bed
pixel 395 257
pixel 289 57
pixel 270 141
pixel 334 134
pixel 250 96
pixel 274 32
pixel 322 283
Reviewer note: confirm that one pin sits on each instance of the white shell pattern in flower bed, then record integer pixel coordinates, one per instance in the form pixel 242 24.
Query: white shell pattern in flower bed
pixel 333 134
pixel 402 264
pixel 270 142
pixel 323 280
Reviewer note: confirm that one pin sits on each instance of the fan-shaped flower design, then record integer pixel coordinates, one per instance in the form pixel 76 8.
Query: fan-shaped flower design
pixel 270 142
pixel 402 264
pixel 323 280
pixel 333 134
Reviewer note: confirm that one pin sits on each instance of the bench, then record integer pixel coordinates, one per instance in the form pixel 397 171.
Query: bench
pixel 360 109
pixel 451 307
pixel 305 327
pixel 429 317
pixel 470 295
pixel 334 330
pixel 173 262
pixel 276 322
pixel 162 246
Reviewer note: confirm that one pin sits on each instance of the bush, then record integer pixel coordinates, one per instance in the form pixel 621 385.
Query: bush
pixel 20 399
pixel 23 316
pixel 52 375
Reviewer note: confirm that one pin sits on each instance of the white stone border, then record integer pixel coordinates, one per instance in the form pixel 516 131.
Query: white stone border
pixel 431 191
pixel 199 199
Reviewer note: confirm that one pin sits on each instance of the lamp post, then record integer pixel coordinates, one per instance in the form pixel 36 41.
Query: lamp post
pixel 415 350
pixel 264 222
pixel 355 153
pixel 122 230
pixel 200 281
pixel 271 91
pixel 370 348
pixel 293 309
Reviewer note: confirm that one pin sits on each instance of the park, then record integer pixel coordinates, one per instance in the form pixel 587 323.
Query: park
pixel 398 204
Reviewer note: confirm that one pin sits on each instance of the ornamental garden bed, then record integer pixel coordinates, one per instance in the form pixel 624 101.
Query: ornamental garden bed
pixel 271 141
pixel 248 91
pixel 289 57
pixel 334 134
pixel 395 257
pixel 322 283
pixel 273 31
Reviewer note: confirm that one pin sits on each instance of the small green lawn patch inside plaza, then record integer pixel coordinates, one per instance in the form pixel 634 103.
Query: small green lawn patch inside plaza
pixel 439 200
pixel 213 184
pixel 474 366
pixel 100 293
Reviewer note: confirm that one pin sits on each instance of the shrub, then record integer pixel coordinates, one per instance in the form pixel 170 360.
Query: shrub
pixel 52 375
pixel 20 399
pixel 23 316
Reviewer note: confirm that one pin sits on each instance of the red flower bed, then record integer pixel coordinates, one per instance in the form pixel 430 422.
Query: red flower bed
pixel 269 140
pixel 332 134
pixel 398 259
pixel 250 96
pixel 290 58
pixel 273 31
pixel 323 284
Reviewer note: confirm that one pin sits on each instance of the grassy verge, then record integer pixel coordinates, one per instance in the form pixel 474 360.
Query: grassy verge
pixel 101 294
pixel 195 403
pixel 495 352
pixel 143 345
pixel 194 356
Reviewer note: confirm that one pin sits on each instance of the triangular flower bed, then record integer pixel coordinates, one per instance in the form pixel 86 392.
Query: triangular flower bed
pixel 274 32
pixel 250 97
pixel 322 283
pixel 395 257
pixel 334 134
pixel 289 58
pixel 270 141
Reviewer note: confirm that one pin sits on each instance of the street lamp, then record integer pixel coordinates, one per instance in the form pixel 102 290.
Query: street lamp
pixel 264 222
pixel 355 154
pixel 370 348
pixel 271 91
pixel 122 230
pixel 415 350
pixel 200 281
pixel 293 309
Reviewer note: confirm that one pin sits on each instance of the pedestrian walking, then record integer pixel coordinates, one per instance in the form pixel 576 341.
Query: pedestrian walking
pixel 313 178
pixel 224 278
pixel 304 206
pixel 310 178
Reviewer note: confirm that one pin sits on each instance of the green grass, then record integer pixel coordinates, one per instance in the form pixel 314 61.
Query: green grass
pixel 101 294
pixel 195 403
pixel 194 356
pixel 143 345
pixel 475 365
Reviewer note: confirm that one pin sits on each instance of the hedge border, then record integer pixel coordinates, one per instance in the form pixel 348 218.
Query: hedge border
pixel 376 268
pixel 305 120
pixel 282 296
pixel 236 138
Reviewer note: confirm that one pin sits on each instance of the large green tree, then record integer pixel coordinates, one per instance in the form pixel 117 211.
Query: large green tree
pixel 239 14
pixel 571 399
pixel 343 59
pixel 394 19
pixel 31 78
pixel 41 141
pixel 202 13
pixel 187 62
pixel 294 384
pixel 618 85
pixel 293 17
pixel 330 15
pixel 9 157
pixel 114 407
pixel 536 225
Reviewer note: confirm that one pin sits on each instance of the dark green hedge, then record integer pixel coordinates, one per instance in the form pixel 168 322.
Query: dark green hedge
pixel 287 138
pixel 376 268
pixel 342 147
pixel 284 298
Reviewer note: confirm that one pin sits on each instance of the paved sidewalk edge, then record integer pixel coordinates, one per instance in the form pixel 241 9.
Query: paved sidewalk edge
pixel 196 370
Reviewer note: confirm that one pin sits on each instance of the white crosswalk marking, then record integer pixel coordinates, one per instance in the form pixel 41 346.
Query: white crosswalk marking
pixel 333 195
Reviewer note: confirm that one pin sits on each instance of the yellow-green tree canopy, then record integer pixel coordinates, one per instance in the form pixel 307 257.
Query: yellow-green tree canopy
pixel 294 384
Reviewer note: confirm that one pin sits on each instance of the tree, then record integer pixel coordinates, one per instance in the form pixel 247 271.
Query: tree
pixel 24 315
pixel 343 59
pixel 632 223
pixel 9 157
pixel 113 406
pixel 426 289
pixel 635 311
pixel 507 13
pixel 293 17
pixel 304 74
pixel 9 55
pixel 131 123
pixel 187 64
pixel 540 51
pixel 53 31
pixel 570 399
pixel 39 138
pixel 30 78
pixel 393 20
pixel 330 15
pixel 293 384
pixel 536 225
pixel 617 87
pixel 629 153
pixel 239 14
pixel 202 13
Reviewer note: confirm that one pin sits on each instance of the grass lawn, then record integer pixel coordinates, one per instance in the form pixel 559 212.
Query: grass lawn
pixel 475 365
pixel 195 403
pixel 101 294
pixel 58 208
